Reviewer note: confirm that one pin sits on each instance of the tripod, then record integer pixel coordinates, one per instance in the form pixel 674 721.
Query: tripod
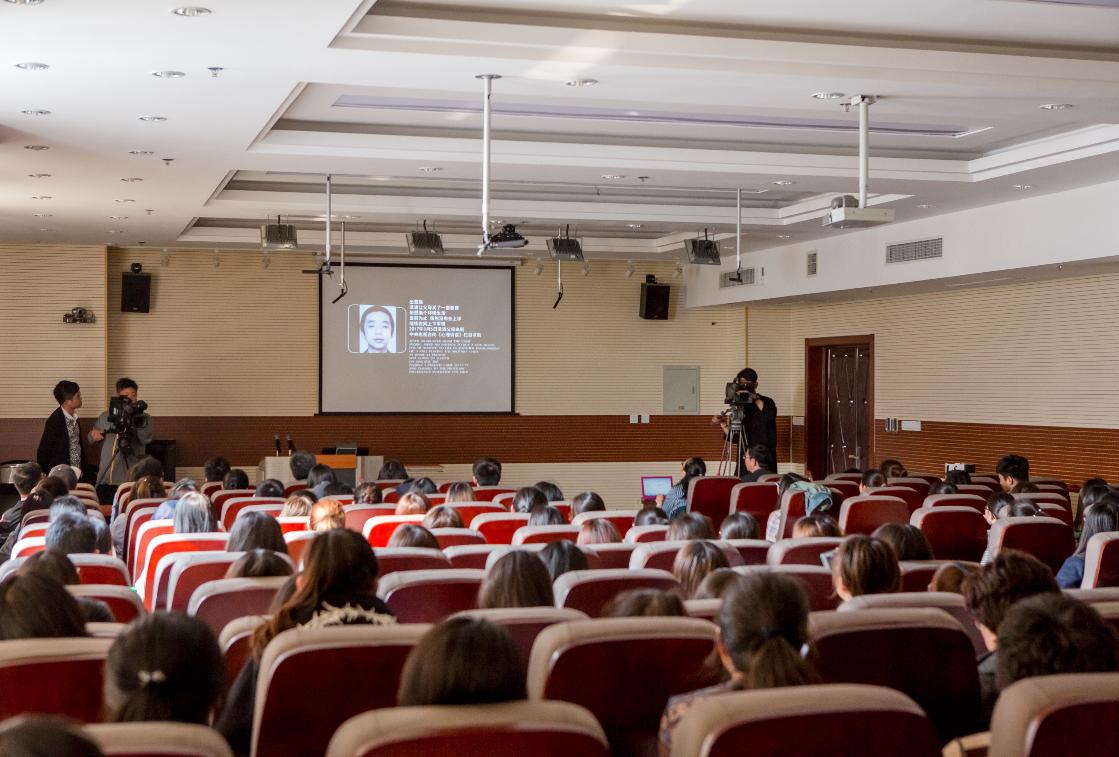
pixel 733 446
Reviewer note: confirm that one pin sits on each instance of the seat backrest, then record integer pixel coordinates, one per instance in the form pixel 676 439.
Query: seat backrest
pixel 977 488
pixel 622 519
pixel 189 570
pixel 710 496
pixel 236 643
pixel 911 497
pixel 919 485
pixel 289 523
pixel 451 537
pixel 34 529
pixel 428 596
pixel 752 551
pixel 916 575
pixel 623 670
pixel 545 534
pixel 923 652
pixel 661 555
pixel 861 515
pixel 949 602
pixel 392 559
pixel 815 578
pixel 509 728
pixel 357 515
pixel 1055 510
pixel 145 534
pixel 298 706
pixel 297 543
pixel 153 583
pixel 954 533
pixel 29 546
pixel 1050 481
pixel 524 624
pixel 974 501
pixel 380 529
pixel 504 549
pixel 1095 596
pixel 233 506
pixel 639 534
pixel 218 602
pixel 121 600
pixel 294 486
pixel 470 555
pixel 601 556
pixel 210 488
pixel 853 477
pixel 498 528
pixel 803 551
pixel 1039 716
pixel 844 487
pixel 33 517
pixel 589 591
pixel 468 511
pixel 101 569
pixel 1057 498
pixel 32 670
pixel 1101 561
pixel 158 737
pixel 839 720
pixel 791 508
pixel 218 499
pixel 708 609
pixel 1048 539
pixel 491 493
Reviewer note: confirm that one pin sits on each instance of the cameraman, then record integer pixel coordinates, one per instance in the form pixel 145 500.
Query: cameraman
pixel 115 460
pixel 759 424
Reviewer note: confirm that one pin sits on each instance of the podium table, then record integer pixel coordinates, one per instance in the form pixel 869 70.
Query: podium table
pixel 364 467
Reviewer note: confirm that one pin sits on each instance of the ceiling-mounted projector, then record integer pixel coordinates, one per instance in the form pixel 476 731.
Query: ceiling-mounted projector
pixel 278 236
pixel 425 242
pixel 506 239
pixel 845 213
pixel 702 251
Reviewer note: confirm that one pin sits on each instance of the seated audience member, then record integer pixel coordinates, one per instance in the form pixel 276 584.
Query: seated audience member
pixel 817 499
pixel 215 469
pixel 460 491
pixel 259 563
pixel 650 516
pixel 338 586
pixel 56 487
pixel 950 577
pixel 872 479
pixel 35 606
pixel 368 493
pixel 65 504
pixel 413 503
pixel 893 469
pixel 763 631
pixel 562 556
pixel 443 667
pixel 270 487
pixel 392 470
pixel 405 486
pixel 194 515
pixel 57 566
pixel 487 472
pixel 166 509
pixel 738 526
pixel 326 514
pixel 148 487
pixel 991 591
pixel 908 541
pixel 676 501
pixel 145 466
pixel 645 603
pixel 1012 470
pixel 957 477
pixel 235 479
pixel 318 478
pixel 424 485
pixel 598 531
pixel 717 583
pixel 758 461
pixel 65 473
pixel 298 505
pixel 70 534
pixel 411 535
pixel 865 565
pixel 586 502
pixel 690 526
pixel 164 667
pixel 996 503
pixel 1025 487
pixel 300 463
pixel 25 478
pixel 517 579
pixel 45 736
pixel 694 561
pixel 943 487
pixel 1093 490
pixel 1052 634
pixel 545 515
pixel 808 526
pixel 443 517
pixel 528 497
pixel 337 489
pixel 550 491
pixel 36 500
pixel 1101 517
pixel 253 530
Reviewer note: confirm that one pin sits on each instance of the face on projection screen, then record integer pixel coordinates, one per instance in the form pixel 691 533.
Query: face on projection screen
pixel 417 339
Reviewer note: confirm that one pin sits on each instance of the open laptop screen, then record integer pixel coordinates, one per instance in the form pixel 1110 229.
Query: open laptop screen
pixel 651 486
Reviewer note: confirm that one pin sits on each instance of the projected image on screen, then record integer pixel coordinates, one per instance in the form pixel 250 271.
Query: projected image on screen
pixel 418 339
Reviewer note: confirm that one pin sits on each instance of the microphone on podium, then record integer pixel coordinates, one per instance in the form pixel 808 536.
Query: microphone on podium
pixel 291 445
pixel 276 439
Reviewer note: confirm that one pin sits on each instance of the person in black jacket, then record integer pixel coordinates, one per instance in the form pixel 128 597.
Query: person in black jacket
pixel 759 424
pixel 61 441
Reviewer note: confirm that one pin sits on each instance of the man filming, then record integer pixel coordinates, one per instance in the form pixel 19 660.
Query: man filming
pixel 126 429
pixel 757 412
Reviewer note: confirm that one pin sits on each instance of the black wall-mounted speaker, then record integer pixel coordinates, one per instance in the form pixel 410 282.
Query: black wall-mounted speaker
pixel 654 301
pixel 135 292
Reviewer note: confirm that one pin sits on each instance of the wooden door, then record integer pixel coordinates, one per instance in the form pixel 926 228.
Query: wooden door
pixel 848 423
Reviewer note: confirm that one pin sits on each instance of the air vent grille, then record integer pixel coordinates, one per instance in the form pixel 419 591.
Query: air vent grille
pixel 810 263
pixel 923 249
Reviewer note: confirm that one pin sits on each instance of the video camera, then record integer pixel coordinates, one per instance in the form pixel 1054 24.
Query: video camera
pixel 124 418
pixel 738 395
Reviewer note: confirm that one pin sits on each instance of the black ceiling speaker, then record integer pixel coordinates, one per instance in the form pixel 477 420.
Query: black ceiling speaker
pixel 135 292
pixel 654 301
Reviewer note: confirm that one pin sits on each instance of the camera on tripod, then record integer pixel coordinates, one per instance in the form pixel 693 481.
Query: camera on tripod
pixel 124 418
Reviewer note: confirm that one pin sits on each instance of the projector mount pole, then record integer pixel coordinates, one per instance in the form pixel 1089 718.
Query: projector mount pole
pixel 863 102
pixel 738 237
pixel 559 284
pixel 343 289
pixel 487 82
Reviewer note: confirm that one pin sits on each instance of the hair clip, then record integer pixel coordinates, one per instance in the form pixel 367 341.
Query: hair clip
pixel 153 676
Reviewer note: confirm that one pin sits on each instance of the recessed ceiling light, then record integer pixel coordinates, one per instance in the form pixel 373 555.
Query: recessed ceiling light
pixel 115 231
pixel 43 215
pixel 634 225
pixel 44 229
pixel 926 205
pixel 784 183
pixel 1023 186
pixel 168 74
pixel 131 179
pixel 784 236
pixel 613 176
pixel 351 218
pixel 122 201
pixel 36 147
pixel 431 169
pixel 25 2
pixel 32 66
pixel 153 119
pixel 140 152
pixel 191 11
pixel 42 197
pixel 1055 106
pixel 581 82
pixel 828 95
pixel 118 218
pixel 35 112
pixel 39 175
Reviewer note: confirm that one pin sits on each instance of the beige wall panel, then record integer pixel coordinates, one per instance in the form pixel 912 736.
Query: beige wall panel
pixel 39 285
pixel 770 355
pixel 1040 353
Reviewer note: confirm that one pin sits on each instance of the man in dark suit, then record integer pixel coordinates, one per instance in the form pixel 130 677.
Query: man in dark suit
pixel 62 440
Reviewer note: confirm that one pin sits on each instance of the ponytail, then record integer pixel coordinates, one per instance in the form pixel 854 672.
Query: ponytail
pixel 776 663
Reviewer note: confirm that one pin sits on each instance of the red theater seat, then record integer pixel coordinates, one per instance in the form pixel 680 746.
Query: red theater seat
pixel 924 653
pixel 815 578
pixel 975 502
pixel 1053 510
pixel 524 624
pixel 622 519
pixel 295 486
pixel 101 569
pixel 708 609
pixel 471 555
pixel 509 729
pixel 358 515
pixel 29 546
pixel 641 534
pixel 232 507
pixel 803 551
pixel 379 530
pixel 919 485
pixel 152 582
pixel 589 591
pixel 916 575
pixel 1059 715
pixel 488 493
pixel 218 602
pixel 53 677
pixel 710 496
pixel 468 511
pixel 862 515
pixel 791 507
pixel 949 602
pixel 661 555
pixel 954 533
pixel 236 643
pixel 545 534
pixel 843 486
pixel 122 601
pixel 297 543
pixel 393 559
pixel 1056 498
pixel 188 571
pixel 1050 481
pixel 855 477
pixel 218 499
pixel 605 556
pixel 1048 539
pixel 913 498
pixel 498 528
pixel 504 549
pixel 428 596
pixel 752 551
pixel 145 534
pixel 978 489
pixel 292 523
pixel 623 670
pixel 454 537
pixel 298 702
pixel 755 498
pixel 1101 561
pixel 158 738
pixel 841 720
pixel 209 488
